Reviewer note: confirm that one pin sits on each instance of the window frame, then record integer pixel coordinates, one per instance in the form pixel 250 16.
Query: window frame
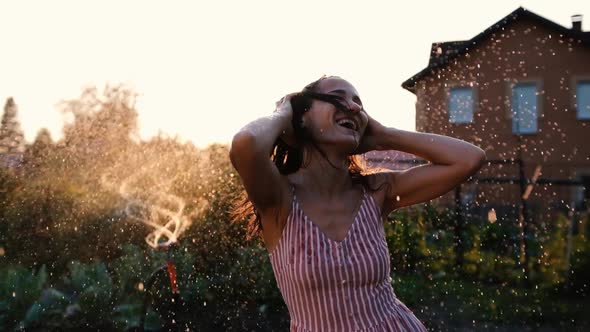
pixel 574 88
pixel 540 93
pixel 474 96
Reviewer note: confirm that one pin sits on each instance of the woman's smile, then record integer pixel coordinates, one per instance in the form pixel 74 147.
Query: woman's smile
pixel 347 123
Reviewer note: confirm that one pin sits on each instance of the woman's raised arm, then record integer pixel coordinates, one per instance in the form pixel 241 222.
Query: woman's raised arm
pixel 250 155
pixel 452 161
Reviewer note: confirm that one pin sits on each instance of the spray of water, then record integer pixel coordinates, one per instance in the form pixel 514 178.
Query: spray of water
pixel 158 208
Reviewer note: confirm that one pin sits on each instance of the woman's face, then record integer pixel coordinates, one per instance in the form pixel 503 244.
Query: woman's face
pixel 342 127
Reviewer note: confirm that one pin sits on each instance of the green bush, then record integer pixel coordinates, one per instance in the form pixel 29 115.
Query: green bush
pixel 71 258
pixel 19 289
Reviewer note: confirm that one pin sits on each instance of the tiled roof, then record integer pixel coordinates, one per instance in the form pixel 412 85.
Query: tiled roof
pixel 442 53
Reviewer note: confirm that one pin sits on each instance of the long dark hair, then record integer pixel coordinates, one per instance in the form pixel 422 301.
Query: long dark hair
pixel 289 159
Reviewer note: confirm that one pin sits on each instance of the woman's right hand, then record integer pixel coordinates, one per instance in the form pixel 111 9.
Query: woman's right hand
pixel 283 108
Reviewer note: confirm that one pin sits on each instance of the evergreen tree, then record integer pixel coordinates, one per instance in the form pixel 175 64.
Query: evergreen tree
pixel 12 139
pixel 38 153
pixel 43 141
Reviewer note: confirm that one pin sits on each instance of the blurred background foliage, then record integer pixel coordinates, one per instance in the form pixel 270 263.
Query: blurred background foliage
pixel 71 258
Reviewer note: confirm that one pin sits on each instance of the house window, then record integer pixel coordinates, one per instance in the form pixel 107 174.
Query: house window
pixel 461 105
pixel 583 99
pixel 524 108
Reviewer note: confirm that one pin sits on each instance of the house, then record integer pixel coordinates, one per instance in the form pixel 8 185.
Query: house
pixel 11 160
pixel 519 89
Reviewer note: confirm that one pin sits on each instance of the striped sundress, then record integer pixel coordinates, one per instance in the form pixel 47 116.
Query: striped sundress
pixel 343 285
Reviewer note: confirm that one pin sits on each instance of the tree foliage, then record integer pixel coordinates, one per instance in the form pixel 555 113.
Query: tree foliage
pixel 12 139
pixel 74 219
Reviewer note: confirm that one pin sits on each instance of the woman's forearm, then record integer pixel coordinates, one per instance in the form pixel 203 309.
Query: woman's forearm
pixel 438 149
pixel 263 132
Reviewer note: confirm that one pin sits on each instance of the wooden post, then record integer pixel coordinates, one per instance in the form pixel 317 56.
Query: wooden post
pixel 523 221
pixel 459 225
pixel 571 219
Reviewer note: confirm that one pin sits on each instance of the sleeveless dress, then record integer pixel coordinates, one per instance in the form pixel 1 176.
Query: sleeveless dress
pixel 343 285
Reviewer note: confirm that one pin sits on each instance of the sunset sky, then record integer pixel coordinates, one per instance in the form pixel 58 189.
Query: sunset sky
pixel 203 69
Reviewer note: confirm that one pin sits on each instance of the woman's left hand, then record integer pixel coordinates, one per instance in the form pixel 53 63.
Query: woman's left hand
pixel 371 139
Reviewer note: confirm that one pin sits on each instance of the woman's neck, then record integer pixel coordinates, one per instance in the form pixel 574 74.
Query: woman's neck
pixel 324 174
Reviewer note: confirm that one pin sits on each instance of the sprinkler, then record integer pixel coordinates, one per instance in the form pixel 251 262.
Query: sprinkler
pixel 164 212
pixel 170 269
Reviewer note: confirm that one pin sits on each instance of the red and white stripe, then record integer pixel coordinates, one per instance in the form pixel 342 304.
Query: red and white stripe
pixel 339 285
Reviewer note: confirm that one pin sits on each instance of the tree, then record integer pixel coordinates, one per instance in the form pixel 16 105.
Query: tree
pixel 43 140
pixel 101 122
pixel 39 153
pixel 103 127
pixel 12 139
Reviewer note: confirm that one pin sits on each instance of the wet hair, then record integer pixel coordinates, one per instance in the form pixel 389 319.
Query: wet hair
pixel 289 159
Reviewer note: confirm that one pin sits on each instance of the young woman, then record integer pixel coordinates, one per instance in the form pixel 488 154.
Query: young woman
pixel 321 212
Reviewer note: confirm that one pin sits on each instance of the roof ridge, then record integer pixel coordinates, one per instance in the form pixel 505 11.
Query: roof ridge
pixel 437 62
